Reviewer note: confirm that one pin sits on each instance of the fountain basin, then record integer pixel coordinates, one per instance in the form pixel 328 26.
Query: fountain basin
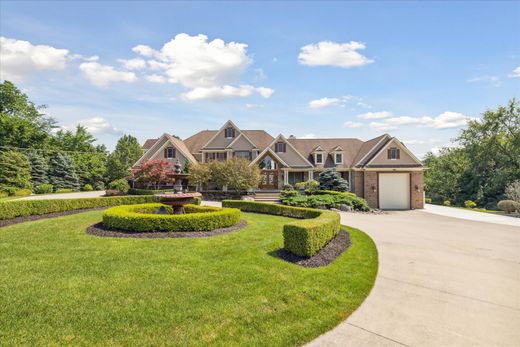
pixel 178 200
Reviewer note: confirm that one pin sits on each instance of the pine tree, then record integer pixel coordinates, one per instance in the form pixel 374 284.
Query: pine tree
pixel 62 173
pixel 330 179
pixel 38 168
pixel 15 170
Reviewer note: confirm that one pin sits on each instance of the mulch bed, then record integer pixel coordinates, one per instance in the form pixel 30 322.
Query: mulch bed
pixel 99 229
pixel 324 257
pixel 6 222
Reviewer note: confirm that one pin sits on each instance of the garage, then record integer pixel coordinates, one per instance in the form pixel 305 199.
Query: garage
pixel 394 191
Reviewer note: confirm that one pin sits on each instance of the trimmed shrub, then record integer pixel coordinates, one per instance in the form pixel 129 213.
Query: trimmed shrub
pixel 3 195
pixel 143 218
pixel 8 189
pixel 113 192
pixel 303 237
pixel 120 184
pixel 197 201
pixel 287 187
pixel 19 208
pixel 509 206
pixel 64 190
pixel 470 204
pixel 87 188
pixel 310 185
pixel 428 200
pixel 45 188
pixel 326 199
pixel 446 203
pixel 135 191
pixel 22 192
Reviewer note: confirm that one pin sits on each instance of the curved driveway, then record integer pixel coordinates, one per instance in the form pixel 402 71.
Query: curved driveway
pixel 442 281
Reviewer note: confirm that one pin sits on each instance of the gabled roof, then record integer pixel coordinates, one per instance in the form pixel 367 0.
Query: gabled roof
pixel 179 144
pixel 149 143
pixel 350 148
pixel 195 143
pixel 400 145
pixel 369 148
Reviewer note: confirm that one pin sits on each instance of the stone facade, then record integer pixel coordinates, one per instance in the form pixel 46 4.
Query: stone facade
pixel 417 189
pixel 371 189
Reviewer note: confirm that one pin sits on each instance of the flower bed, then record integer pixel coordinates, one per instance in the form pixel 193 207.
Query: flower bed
pixel 19 208
pixel 142 218
pixel 303 237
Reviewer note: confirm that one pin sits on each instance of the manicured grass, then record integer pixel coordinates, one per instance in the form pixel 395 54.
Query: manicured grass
pixel 59 285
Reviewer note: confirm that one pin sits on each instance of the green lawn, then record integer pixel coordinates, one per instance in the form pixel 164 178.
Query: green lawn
pixel 59 285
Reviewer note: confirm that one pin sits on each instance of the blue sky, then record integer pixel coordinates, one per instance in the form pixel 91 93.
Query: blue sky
pixel 340 69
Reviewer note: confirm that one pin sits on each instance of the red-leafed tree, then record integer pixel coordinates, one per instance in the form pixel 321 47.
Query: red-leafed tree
pixel 154 173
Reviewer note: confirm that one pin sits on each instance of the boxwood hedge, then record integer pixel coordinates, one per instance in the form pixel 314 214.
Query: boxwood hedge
pixel 143 218
pixel 20 208
pixel 303 237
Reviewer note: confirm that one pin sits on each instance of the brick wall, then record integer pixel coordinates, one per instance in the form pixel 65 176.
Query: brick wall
pixel 371 196
pixel 417 179
pixel 358 183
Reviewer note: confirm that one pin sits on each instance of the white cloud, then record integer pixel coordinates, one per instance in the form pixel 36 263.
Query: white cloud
pixel 381 126
pixel 20 58
pixel 492 80
pixel 352 125
pixel 446 120
pixel 208 68
pixel 260 74
pixel 225 92
pixel 193 61
pixel 420 142
pixel 155 78
pixel 515 73
pixel 375 115
pixel 324 102
pixel 102 75
pixel 254 106
pixel 98 125
pixel 133 64
pixel 344 55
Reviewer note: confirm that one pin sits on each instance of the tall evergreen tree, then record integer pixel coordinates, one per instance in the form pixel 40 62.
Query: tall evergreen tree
pixel 15 169
pixel 38 168
pixel 127 152
pixel 330 179
pixel 62 173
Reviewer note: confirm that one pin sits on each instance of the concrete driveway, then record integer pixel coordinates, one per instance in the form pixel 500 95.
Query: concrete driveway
pixel 442 281
pixel 75 195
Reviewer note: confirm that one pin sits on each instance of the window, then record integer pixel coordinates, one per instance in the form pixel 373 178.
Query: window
pixel 243 154
pixel 216 156
pixel 339 158
pixel 230 132
pixel 295 177
pixel 280 147
pixel 268 164
pixel 169 152
pixel 319 158
pixel 393 153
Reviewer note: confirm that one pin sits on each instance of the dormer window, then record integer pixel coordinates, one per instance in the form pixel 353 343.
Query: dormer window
pixel 169 152
pixel 393 153
pixel 338 158
pixel 318 158
pixel 229 133
pixel 280 147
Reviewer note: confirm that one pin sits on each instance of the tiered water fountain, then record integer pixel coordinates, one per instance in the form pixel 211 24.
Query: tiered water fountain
pixel 177 199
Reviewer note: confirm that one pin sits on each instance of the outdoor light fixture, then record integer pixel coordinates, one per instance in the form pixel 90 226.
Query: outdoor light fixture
pixel 417 188
pixel 374 189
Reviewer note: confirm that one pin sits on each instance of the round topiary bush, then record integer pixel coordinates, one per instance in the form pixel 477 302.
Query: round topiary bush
pixel 143 218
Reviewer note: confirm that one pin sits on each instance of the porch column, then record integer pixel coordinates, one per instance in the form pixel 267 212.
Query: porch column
pixel 285 176
pixel 311 174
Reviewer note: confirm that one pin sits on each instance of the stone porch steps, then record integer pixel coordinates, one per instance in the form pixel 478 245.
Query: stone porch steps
pixel 267 197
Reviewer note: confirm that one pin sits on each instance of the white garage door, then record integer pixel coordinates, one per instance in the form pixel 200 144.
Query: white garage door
pixel 394 191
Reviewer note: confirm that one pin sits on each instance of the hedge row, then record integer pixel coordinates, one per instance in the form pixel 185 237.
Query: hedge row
pixel 303 237
pixel 19 208
pixel 143 218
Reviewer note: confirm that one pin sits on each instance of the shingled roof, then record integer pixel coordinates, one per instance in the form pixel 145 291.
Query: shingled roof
pixel 350 148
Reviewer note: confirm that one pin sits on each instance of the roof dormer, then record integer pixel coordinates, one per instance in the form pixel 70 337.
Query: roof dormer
pixel 319 157
pixel 337 155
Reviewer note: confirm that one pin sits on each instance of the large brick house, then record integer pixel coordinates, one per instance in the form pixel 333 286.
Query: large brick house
pixel 382 170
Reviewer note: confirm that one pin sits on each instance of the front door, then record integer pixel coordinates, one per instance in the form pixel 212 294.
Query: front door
pixel 269 179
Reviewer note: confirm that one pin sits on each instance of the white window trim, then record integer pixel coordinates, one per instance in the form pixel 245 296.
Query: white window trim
pixel 316 158
pixel 335 157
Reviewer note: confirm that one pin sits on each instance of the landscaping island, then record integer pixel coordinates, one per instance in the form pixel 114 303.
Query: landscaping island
pixel 61 285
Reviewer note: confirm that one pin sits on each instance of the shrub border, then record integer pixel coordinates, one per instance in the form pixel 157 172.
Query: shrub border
pixel 197 218
pixel 304 237
pixel 22 208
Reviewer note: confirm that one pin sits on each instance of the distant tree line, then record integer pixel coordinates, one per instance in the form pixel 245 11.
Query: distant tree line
pixel 485 164
pixel 35 153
